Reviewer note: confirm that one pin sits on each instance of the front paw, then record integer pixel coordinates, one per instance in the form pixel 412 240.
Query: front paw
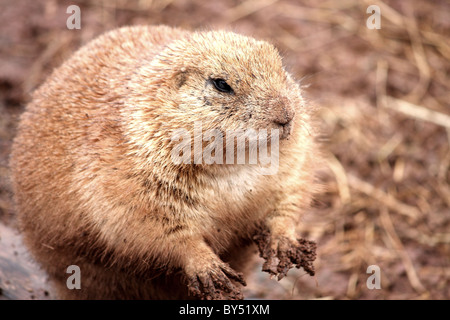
pixel 282 253
pixel 214 282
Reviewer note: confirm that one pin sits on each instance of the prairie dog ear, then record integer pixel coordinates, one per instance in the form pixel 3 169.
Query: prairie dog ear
pixel 180 77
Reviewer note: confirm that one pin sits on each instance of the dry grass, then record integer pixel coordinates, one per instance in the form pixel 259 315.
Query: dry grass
pixel 385 116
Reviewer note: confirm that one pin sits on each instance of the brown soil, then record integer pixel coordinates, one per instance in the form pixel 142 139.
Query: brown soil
pixel 384 95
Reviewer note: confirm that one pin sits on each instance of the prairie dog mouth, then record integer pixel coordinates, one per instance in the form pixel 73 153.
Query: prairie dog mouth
pixel 285 130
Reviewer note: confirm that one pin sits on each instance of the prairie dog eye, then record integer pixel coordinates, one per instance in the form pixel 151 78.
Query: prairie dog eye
pixel 222 86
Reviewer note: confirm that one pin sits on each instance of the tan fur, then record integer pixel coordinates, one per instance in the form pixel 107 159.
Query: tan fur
pixel 94 182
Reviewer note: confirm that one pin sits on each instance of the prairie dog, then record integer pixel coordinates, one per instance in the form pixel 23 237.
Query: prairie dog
pixel 96 185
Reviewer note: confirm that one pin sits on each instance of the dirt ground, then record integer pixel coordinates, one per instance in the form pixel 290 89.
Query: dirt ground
pixel 385 120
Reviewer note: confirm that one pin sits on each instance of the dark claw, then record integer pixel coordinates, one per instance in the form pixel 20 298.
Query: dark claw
pixel 233 275
pixel 300 253
pixel 194 287
pixel 216 284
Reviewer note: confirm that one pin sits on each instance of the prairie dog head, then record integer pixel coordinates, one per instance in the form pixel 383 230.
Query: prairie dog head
pixel 224 80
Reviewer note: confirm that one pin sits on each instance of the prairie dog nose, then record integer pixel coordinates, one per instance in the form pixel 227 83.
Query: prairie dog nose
pixel 282 114
pixel 285 117
pixel 282 111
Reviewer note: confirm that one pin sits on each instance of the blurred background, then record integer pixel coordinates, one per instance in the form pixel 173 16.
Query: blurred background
pixel 384 96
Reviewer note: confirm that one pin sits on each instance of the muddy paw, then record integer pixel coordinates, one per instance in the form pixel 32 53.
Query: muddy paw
pixel 216 284
pixel 281 254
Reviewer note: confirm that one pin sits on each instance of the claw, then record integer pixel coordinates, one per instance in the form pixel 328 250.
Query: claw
pixel 215 284
pixel 281 254
pixel 233 275
pixel 194 287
